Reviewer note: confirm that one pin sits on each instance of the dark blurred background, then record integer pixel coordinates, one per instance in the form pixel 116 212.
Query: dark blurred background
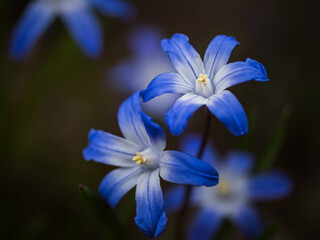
pixel 50 101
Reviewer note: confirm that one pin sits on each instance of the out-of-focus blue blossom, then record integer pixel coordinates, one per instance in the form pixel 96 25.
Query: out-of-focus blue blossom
pixel 147 61
pixel 232 198
pixel 78 17
pixel 204 83
pixel 141 158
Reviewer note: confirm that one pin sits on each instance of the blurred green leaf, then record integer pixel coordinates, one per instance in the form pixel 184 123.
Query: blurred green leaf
pixel 225 231
pixel 275 141
pixel 247 142
pixel 104 215
pixel 269 232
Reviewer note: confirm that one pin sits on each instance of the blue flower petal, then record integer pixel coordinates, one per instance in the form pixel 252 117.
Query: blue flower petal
pixel 270 186
pixel 226 107
pixel 184 57
pixel 181 111
pixel 218 53
pixel 181 168
pixel 109 149
pixel 174 197
pixel 247 219
pixel 166 83
pixel 239 162
pixel 151 218
pixel 239 72
pixel 34 21
pixel 190 144
pixel 205 225
pixel 137 126
pixel 118 182
pixel 116 8
pixel 85 29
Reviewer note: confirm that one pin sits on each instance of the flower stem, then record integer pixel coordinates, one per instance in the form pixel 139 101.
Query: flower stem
pixel 185 205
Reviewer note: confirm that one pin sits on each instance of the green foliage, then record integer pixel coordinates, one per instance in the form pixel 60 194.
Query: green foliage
pixel 103 214
pixel 274 142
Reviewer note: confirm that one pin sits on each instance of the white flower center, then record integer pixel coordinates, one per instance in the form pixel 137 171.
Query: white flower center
pixel 202 78
pixel 139 158
pixel 228 196
pixel 149 158
pixel 204 86
pixel 224 188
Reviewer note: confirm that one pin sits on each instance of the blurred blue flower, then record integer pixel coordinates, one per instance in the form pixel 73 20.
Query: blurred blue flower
pixel 204 83
pixel 78 17
pixel 146 62
pixel 232 197
pixel 141 158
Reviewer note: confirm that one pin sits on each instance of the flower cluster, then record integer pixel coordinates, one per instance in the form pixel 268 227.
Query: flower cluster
pixel 142 157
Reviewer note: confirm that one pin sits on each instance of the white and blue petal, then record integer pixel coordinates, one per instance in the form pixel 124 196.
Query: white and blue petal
pixel 34 21
pixel 184 57
pixel 85 29
pixel 110 149
pixel 181 111
pixel 116 8
pixel 248 220
pixel 118 182
pixel 151 218
pixel 226 107
pixel 269 186
pixel 136 126
pixel 205 225
pixel 190 144
pixel 239 72
pixel 239 162
pixel 218 53
pixel 181 168
pixel 166 83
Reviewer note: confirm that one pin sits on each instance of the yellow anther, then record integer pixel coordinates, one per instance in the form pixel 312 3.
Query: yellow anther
pixel 139 159
pixel 223 188
pixel 202 78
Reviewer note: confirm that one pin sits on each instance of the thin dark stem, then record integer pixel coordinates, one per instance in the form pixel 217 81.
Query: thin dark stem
pixel 185 205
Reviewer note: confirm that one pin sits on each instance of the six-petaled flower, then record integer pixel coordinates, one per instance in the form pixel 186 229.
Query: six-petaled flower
pixel 141 158
pixel 232 198
pixel 204 83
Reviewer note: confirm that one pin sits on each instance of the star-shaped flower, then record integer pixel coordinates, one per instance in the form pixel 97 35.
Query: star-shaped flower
pixel 204 83
pixel 232 198
pixel 142 159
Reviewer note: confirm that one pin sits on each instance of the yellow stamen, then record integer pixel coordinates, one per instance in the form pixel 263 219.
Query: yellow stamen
pixel 139 159
pixel 202 78
pixel 223 188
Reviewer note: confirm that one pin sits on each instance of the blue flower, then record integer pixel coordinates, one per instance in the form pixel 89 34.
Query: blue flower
pixel 232 197
pixel 146 62
pixel 204 83
pixel 141 158
pixel 76 15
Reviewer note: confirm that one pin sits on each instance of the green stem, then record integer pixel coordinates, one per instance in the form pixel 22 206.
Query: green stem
pixel 185 205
